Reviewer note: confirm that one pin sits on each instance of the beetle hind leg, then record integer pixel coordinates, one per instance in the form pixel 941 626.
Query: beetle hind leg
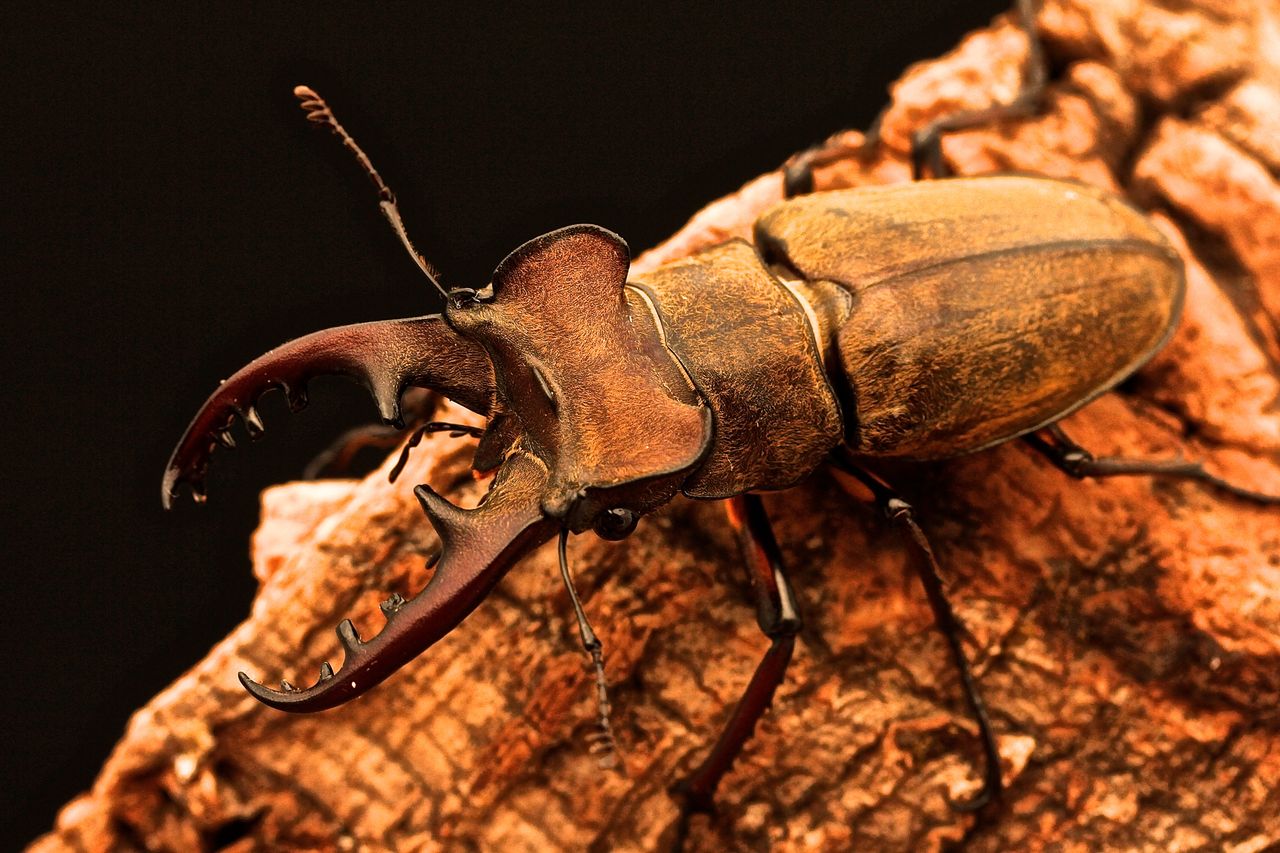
pixel 1075 460
pixel 903 517
pixel 926 143
pixel 779 619
pixel 797 172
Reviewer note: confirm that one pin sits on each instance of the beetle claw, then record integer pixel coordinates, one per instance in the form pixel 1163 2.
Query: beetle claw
pixel 491 538
pixel 297 396
pixel 253 424
pixel 386 356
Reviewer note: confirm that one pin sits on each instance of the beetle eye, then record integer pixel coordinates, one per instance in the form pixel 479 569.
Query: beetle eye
pixel 615 524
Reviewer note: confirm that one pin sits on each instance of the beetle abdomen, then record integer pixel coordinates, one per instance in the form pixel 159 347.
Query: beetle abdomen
pixel 982 308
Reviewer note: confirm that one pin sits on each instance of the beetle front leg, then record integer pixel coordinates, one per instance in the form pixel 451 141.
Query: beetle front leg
pixel 779 619
pixel 1070 457
pixel 338 458
pixel 926 564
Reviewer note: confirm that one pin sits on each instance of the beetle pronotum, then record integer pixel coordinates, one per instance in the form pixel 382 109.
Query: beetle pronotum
pixel 909 322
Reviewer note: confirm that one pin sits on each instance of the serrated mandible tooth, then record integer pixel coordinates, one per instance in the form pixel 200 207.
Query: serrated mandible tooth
pixel 444 516
pixel 350 639
pixel 297 397
pixel 392 604
pixel 253 422
pixel 326 671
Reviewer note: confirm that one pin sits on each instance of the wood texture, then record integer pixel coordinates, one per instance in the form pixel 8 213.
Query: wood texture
pixel 1126 633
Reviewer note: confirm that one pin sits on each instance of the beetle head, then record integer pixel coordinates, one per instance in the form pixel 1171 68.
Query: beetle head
pixel 583 379
pixel 592 423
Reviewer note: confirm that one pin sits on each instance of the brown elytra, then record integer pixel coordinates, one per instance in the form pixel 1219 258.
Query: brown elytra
pixel 976 309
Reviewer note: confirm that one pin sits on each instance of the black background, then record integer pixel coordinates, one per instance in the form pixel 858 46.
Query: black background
pixel 168 215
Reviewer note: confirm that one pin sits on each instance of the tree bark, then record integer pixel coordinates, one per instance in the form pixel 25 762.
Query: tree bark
pixel 1125 632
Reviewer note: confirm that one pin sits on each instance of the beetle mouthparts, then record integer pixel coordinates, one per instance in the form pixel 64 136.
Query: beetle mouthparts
pixel 480 546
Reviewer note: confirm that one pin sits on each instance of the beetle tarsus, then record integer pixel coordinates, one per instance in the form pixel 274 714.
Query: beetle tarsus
pixel 1078 462
pixel 926 143
pixel 337 458
pixel 901 514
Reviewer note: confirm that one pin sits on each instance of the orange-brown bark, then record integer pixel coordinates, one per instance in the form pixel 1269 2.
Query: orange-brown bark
pixel 1126 633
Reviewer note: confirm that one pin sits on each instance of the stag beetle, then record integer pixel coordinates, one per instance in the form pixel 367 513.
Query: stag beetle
pixel 908 322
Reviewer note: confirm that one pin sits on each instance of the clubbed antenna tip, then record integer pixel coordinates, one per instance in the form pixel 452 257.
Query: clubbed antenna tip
pixel 318 112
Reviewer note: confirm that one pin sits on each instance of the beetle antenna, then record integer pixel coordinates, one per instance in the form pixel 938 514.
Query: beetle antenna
pixel 318 112
pixel 603 742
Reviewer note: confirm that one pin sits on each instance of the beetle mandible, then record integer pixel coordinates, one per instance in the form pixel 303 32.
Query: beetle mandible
pixel 910 322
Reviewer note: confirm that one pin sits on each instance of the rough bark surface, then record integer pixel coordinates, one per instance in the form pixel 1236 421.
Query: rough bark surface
pixel 1126 633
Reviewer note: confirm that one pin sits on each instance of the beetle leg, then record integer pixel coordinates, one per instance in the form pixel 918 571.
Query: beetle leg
pixel 797 172
pixel 1080 463
pixel 779 619
pixel 926 143
pixel 454 430
pixel 337 459
pixel 926 564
